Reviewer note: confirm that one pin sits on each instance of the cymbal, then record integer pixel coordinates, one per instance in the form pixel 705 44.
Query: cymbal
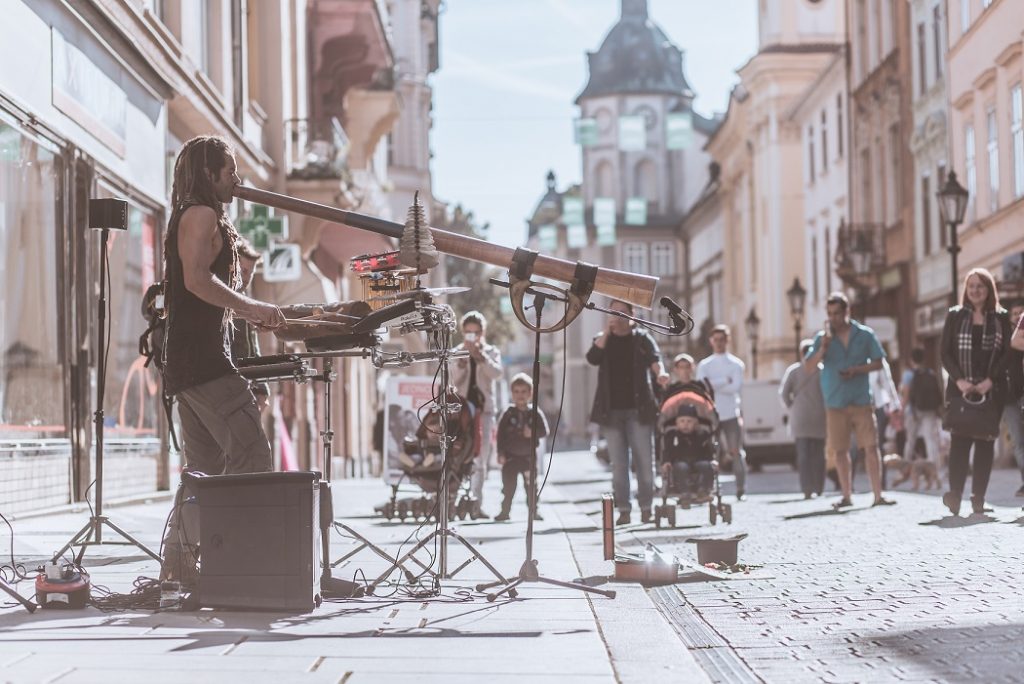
pixel 421 292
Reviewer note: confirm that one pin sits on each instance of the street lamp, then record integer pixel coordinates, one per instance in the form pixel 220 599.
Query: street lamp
pixel 797 296
pixel 952 206
pixel 753 325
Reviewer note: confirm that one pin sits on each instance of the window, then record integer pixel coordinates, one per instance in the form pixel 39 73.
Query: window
pixel 31 372
pixel 839 124
pixel 971 166
pixel 922 66
pixel 866 201
pixel 941 176
pixel 1017 135
pixel 814 267
pixel 965 16
pixel 937 39
pixel 926 215
pixel 810 154
pixel 634 257
pixel 824 142
pixel 827 259
pixel 993 159
pixel 895 175
pixel 862 36
pixel 663 259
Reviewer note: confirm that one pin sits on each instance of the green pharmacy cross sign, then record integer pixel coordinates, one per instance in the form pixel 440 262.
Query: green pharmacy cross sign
pixel 262 227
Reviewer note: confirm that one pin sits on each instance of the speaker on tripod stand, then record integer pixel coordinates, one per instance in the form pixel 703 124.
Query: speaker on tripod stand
pixel 104 215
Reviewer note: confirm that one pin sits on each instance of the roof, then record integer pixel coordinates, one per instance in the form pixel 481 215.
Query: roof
pixel 636 57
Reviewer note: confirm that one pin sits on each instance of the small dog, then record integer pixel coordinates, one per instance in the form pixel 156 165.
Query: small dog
pixel 914 471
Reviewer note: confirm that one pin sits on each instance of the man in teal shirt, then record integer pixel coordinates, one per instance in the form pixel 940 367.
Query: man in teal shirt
pixel 848 352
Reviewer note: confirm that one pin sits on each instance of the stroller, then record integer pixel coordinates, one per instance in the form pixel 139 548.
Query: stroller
pixel 421 464
pixel 692 399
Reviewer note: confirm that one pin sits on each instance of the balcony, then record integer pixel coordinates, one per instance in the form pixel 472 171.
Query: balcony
pixel 316 149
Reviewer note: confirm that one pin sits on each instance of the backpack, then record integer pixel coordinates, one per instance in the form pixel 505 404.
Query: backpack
pixel 925 393
pixel 151 343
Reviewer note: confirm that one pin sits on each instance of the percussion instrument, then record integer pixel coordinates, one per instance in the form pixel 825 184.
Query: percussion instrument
pixel 634 288
pixel 274 368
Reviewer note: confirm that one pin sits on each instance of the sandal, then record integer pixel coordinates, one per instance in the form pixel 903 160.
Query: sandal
pixel 842 503
pixel 883 502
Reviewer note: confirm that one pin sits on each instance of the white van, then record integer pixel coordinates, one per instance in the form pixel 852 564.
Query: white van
pixel 765 423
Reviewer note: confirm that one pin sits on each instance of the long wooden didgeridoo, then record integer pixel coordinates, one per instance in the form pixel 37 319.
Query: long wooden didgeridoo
pixel 634 288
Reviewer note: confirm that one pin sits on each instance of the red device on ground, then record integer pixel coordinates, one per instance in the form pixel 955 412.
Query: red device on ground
pixel 62 588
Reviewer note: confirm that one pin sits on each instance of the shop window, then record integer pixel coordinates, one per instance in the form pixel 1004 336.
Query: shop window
pixel 31 370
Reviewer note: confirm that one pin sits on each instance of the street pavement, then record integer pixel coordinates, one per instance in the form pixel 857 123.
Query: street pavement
pixel 905 593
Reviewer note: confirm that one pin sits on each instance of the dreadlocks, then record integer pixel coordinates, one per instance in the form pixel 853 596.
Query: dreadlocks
pixel 200 158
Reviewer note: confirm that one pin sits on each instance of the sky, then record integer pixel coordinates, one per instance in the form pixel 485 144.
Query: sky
pixel 510 71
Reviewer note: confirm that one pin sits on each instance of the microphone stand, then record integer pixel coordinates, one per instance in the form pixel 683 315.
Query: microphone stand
pixel 529 571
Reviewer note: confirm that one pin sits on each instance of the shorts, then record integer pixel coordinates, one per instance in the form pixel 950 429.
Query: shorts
pixel 858 420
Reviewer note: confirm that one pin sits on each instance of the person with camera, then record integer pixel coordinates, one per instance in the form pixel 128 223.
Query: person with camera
pixel 476 378
pixel 975 342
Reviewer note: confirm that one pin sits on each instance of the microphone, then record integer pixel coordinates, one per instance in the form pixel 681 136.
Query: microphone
pixel 681 321
pixel 672 307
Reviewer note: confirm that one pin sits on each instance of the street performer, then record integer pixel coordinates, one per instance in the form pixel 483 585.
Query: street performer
pixel 220 422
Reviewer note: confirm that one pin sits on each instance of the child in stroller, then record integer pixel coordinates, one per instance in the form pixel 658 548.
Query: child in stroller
pixel 689 468
pixel 421 463
pixel 688 457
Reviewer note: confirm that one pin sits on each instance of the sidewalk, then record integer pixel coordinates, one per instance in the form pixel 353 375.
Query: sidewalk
pixel 547 634
pixel 890 594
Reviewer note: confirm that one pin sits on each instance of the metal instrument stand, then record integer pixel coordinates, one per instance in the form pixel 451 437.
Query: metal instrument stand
pixel 529 572
pixel 327 439
pixel 442 532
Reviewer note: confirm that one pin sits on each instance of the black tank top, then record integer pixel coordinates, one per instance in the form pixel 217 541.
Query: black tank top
pixel 198 347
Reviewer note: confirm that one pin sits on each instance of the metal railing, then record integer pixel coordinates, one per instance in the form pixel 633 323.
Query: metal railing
pixel 316 149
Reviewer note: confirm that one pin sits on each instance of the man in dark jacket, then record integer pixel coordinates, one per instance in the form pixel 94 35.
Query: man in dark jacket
pixel 625 407
pixel 1013 419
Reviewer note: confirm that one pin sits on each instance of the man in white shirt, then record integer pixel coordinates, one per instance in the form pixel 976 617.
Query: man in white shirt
pixel 725 374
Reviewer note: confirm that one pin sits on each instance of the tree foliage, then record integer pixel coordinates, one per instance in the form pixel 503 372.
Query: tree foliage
pixel 482 296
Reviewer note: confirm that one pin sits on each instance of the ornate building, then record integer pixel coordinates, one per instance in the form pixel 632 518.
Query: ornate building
pixel 646 182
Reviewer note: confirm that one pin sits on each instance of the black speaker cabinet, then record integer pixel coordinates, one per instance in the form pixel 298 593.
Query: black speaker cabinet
pixel 259 540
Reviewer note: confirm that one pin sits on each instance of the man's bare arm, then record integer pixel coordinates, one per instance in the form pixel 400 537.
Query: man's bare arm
pixel 198 246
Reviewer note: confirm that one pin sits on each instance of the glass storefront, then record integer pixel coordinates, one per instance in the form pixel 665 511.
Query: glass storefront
pixel 31 365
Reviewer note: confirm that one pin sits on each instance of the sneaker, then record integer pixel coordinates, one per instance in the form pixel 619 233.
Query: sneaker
pixel 952 502
pixel 501 517
pixel 740 495
pixel 623 518
pixel 645 516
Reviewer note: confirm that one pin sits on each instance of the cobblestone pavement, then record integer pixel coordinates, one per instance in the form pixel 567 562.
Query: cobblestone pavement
pixel 901 593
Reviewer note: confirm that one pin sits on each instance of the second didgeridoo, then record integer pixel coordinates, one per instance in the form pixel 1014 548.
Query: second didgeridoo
pixel 634 288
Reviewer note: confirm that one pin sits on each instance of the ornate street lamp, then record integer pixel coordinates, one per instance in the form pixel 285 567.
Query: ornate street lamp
pixel 952 206
pixel 753 325
pixel 797 297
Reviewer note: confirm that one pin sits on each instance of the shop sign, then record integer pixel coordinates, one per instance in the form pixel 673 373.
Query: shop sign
pixel 282 262
pixel 88 96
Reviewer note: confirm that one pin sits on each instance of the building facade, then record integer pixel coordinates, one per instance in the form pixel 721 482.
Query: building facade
pixel 985 80
pixel 304 93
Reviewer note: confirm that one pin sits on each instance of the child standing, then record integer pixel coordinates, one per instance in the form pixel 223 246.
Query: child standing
pixel 515 442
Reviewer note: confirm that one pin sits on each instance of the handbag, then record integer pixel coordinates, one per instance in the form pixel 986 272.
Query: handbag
pixel 975 418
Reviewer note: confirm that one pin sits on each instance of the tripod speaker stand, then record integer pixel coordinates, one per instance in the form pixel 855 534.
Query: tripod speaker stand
pixel 104 215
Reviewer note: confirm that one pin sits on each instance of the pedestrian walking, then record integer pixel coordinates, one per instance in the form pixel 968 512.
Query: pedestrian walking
pixel 800 392
pixel 848 351
pixel 1013 412
pixel 684 368
pixel 724 372
pixel 625 406
pixel 921 394
pixel 975 340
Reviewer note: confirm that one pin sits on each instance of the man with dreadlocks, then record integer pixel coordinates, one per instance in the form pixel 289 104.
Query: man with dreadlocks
pixel 220 422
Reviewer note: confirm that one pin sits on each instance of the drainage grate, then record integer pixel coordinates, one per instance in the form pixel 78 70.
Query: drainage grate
pixel 712 652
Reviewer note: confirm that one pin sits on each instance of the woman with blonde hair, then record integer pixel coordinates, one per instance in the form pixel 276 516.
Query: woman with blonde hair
pixel 975 340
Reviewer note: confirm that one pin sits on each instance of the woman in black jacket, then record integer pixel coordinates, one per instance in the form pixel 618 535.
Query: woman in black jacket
pixel 975 341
